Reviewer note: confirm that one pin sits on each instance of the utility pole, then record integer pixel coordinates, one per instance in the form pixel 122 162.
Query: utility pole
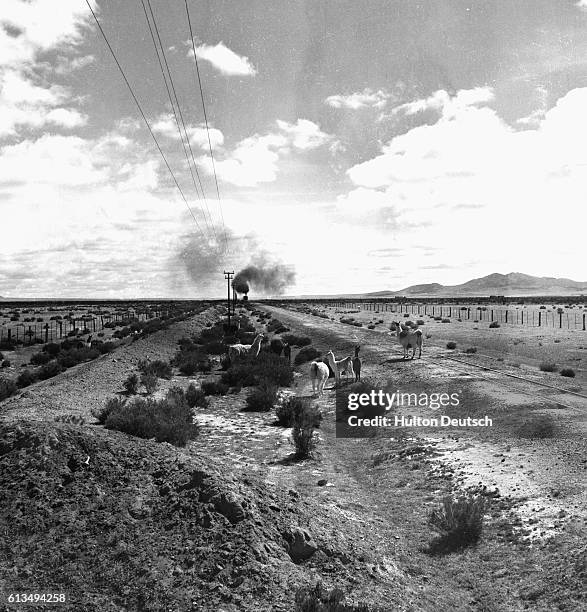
pixel 228 276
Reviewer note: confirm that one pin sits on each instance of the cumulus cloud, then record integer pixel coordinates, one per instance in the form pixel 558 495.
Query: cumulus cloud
pixel 166 126
pixel 224 59
pixel 445 103
pixel 255 159
pixel 28 29
pixel 472 175
pixel 368 98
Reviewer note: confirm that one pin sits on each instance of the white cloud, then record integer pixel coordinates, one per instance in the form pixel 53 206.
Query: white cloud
pixel 582 4
pixel 447 104
pixel 368 98
pixel 28 29
pixel 225 60
pixel 166 125
pixel 66 65
pixel 25 103
pixel 470 184
pixel 255 159
pixel 303 134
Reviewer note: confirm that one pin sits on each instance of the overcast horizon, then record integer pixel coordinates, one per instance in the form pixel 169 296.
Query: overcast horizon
pixel 365 145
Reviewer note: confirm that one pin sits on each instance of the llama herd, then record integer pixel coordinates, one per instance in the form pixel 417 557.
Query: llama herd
pixel 320 370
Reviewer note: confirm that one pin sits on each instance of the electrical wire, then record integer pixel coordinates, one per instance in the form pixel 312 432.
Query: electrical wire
pixel 206 121
pixel 181 119
pixel 132 93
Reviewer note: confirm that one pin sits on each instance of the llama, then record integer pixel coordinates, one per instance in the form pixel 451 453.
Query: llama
pixel 357 363
pixel 318 375
pixel 342 365
pixel 236 351
pixel 409 339
pixel 287 352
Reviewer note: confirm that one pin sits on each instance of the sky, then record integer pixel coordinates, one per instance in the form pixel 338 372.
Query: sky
pixel 362 144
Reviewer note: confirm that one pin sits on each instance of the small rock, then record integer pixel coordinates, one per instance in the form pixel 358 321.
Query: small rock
pixel 322 483
pixel 301 544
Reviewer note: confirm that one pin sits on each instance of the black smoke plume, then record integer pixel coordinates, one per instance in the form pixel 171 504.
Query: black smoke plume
pixel 264 278
pixel 199 264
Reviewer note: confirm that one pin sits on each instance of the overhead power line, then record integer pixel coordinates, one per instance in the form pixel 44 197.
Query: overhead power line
pixel 166 72
pixel 132 93
pixel 206 120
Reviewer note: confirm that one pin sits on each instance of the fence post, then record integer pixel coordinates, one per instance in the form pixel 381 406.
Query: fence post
pixel 583 321
pixel 506 316
pixel 539 318
pixel 560 320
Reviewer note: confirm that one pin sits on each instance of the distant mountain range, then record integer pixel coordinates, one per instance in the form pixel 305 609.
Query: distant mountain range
pixel 512 284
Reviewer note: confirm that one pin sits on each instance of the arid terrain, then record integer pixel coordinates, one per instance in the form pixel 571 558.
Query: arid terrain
pixel 233 522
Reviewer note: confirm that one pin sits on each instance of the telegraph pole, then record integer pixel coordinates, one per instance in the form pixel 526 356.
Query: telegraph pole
pixel 228 276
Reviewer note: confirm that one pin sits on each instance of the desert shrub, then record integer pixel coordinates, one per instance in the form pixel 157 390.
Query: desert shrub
pixel 294 340
pixel 195 397
pixel 167 420
pixel 459 522
pixel 49 370
pixel 131 384
pixel 289 411
pixel 6 345
pixel 105 347
pixel 308 353
pixel 276 346
pixel 276 326
pixel 548 366
pixel 7 388
pixel 209 334
pixel 568 372
pixel 371 326
pixel 262 398
pixel 157 368
pixel 103 412
pixel 52 348
pixel 26 378
pixel 40 359
pixel 303 431
pixel 192 361
pixel 6 363
pixel 494 325
pixel 471 350
pixel 213 387
pixel 420 322
pixel 538 427
pixel 150 382
pixel 186 344
pixel 250 372
pixel 72 357
pixel 451 345
pixel 215 347
pixel 445 321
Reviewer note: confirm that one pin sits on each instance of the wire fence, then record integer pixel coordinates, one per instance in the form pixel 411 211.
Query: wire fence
pixel 558 318
pixel 56 329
